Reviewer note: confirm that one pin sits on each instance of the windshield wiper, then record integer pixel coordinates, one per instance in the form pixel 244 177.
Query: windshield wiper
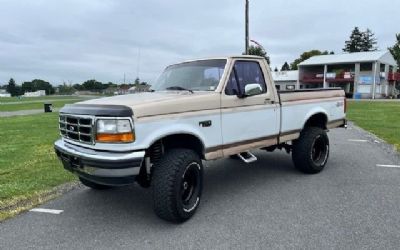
pixel 179 88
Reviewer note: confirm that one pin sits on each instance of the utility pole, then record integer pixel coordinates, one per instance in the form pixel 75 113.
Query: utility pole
pixel 247 28
pixel 138 64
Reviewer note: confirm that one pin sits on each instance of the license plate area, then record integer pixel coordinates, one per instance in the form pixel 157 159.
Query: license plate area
pixel 71 162
pixel 75 162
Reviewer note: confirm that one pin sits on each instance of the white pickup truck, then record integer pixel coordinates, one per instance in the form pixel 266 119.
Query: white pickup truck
pixel 197 111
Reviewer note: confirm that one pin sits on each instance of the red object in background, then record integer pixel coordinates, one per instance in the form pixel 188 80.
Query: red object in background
pixel 319 78
pixel 394 76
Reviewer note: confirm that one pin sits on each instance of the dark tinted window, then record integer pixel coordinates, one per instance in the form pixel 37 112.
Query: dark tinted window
pixel 366 67
pixel 247 72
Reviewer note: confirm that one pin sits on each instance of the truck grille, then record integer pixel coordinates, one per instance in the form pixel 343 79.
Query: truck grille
pixel 77 128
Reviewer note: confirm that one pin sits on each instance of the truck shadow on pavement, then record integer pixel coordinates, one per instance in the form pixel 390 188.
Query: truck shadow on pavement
pixel 224 180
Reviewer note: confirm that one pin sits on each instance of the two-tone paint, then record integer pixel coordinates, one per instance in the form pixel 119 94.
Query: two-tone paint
pixel 225 124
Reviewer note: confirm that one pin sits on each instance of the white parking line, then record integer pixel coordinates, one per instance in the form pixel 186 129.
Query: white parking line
pixel 387 166
pixel 357 140
pixel 45 210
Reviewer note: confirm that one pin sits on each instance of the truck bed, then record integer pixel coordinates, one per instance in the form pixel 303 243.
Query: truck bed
pixel 304 104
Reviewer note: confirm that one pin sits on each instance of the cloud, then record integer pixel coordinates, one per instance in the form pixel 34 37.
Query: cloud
pixel 72 41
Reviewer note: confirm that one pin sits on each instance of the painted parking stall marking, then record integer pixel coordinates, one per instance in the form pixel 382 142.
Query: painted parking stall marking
pixel 45 210
pixel 387 166
pixel 357 140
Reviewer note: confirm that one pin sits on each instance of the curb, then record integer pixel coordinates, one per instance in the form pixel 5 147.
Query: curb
pixel 36 199
pixel 387 147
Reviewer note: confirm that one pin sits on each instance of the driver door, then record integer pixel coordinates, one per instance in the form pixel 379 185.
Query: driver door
pixel 248 121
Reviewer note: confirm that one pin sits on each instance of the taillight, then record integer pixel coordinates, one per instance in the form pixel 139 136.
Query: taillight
pixel 345 105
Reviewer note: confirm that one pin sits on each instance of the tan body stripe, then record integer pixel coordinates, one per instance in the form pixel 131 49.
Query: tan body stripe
pixel 297 102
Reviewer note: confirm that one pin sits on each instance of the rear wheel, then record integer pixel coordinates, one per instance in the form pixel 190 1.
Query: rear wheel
pixel 177 184
pixel 93 185
pixel 311 150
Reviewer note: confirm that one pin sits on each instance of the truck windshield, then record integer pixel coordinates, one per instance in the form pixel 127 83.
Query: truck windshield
pixel 201 75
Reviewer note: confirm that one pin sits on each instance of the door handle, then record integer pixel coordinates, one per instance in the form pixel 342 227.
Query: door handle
pixel 268 101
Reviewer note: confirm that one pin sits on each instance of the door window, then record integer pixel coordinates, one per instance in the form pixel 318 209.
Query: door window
pixel 243 73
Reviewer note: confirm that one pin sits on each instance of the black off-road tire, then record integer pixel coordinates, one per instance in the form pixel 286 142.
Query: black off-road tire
pixel 93 185
pixel 311 151
pixel 177 169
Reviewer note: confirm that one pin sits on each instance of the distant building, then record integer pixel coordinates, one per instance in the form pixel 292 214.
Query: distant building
pixel 139 88
pixel 111 91
pixel 286 80
pixel 123 90
pixel 35 94
pixel 361 74
pixel 4 93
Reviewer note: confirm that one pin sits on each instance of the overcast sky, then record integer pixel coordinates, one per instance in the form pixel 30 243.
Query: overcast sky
pixel 75 40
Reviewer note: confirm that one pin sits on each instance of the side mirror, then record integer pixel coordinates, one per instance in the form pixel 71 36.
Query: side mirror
pixel 252 89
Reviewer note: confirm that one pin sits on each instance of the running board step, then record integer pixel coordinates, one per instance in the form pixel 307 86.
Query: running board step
pixel 247 157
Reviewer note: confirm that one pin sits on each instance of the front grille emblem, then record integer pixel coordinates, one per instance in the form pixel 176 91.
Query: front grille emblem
pixel 77 128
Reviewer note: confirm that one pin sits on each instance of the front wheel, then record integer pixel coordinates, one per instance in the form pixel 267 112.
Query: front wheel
pixel 311 150
pixel 177 184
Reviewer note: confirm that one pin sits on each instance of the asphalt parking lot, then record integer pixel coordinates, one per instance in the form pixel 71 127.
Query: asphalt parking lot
pixel 353 204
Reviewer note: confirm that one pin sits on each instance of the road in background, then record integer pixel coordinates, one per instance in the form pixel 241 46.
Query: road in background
pixel 352 204
pixel 24 112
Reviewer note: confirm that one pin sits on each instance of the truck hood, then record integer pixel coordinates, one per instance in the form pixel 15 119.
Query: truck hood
pixel 162 103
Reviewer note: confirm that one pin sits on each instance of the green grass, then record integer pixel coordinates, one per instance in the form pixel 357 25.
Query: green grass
pixel 35 105
pixel 28 164
pixel 379 118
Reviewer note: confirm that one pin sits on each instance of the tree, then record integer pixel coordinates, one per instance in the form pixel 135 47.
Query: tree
pixel 285 67
pixel 259 51
pixel 92 85
pixel 66 89
pixel 39 84
pixel 395 50
pixel 360 41
pixel 368 41
pixel 355 43
pixel 111 85
pixel 12 88
pixel 28 87
pixel 306 55
pixel 77 86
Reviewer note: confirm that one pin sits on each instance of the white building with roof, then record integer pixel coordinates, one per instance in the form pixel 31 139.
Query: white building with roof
pixel 286 80
pixel 35 94
pixel 360 74
pixel 4 93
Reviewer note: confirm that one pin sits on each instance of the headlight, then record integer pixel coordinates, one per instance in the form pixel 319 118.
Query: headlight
pixel 113 130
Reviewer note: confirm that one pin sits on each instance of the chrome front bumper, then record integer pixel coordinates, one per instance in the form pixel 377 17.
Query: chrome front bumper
pixel 109 168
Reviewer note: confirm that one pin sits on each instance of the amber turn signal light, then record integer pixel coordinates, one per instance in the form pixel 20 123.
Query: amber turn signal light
pixel 124 137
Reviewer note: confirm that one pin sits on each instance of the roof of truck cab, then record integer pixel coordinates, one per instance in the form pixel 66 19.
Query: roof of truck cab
pixel 222 58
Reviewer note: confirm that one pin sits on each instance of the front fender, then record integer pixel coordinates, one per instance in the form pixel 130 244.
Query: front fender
pixel 148 133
